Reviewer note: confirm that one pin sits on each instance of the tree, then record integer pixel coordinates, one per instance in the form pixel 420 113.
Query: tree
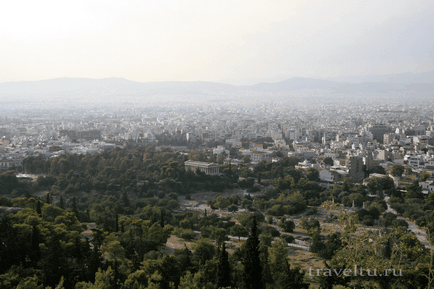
pixel 116 223
pixel 170 270
pixel 252 274
pixel 397 170
pixel 35 252
pixel 61 203
pixel 162 216
pixel 48 198
pixel 328 161
pixel 246 159
pixel 283 275
pixel 125 200
pixel 54 264
pixel 159 235
pixel 309 224
pixel 423 176
pixel 221 202
pixel 74 207
pixel 312 174
pixel 414 191
pixel 287 225
pixel 219 234
pixel 203 251
pixel 377 170
pixel 239 231
pixel 223 269
pixel 38 208
pixel 380 185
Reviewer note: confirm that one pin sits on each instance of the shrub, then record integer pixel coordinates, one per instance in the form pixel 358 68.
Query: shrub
pixel 311 211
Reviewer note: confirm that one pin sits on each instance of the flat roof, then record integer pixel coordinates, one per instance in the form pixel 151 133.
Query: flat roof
pixel 202 164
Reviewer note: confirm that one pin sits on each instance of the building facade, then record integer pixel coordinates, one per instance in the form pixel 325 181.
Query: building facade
pixel 207 168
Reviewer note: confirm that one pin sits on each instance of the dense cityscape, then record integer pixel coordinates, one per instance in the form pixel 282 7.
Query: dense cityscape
pixel 195 174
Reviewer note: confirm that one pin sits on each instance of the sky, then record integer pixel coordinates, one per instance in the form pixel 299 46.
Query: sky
pixel 222 41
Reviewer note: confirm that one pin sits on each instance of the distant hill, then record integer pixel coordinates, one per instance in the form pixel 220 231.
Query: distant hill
pixel 401 78
pixel 115 89
pixel 295 83
pixel 106 85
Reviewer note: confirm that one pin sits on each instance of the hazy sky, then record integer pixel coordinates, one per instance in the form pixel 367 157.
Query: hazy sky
pixel 190 40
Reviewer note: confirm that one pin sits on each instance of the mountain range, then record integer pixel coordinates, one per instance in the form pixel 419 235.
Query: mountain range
pixel 118 87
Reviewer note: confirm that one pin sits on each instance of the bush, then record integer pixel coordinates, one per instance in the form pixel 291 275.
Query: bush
pixel 276 210
pixel 400 223
pixel 311 211
pixel 309 224
pixel 188 235
pixel 368 220
pixel 287 225
pixel 173 196
pixel 232 208
pixel 289 238
pixel 270 230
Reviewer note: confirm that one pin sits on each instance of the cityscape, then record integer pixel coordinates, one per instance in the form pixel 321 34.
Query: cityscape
pixel 217 144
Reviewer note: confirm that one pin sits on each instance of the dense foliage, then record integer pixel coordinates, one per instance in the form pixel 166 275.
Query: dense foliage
pixel 103 221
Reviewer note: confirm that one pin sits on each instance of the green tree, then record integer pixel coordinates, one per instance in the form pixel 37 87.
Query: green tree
pixel 35 251
pixel 312 174
pixel 239 231
pixel 246 159
pixel 48 198
pixel 328 161
pixel 423 176
pixel 252 274
pixel 377 170
pixel 414 191
pixel 223 269
pixel 283 275
pixel 221 202
pixel 61 203
pixel 397 170
pixel 203 251
pixel 74 207
pixel 287 225
pixel 38 208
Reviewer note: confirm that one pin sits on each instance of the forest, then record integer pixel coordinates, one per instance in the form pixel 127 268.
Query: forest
pixel 129 201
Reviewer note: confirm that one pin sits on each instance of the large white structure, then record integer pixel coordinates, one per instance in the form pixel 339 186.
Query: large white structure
pixel 207 168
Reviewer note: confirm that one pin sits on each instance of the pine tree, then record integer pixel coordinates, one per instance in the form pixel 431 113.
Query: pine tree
pixel 48 199
pixel 116 223
pixel 125 200
pixel 36 251
pixel 252 274
pixel 185 259
pixel 223 269
pixel 74 207
pixel 162 215
pixel 266 271
pixel 387 252
pixel 38 208
pixel 153 218
pixel 61 203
